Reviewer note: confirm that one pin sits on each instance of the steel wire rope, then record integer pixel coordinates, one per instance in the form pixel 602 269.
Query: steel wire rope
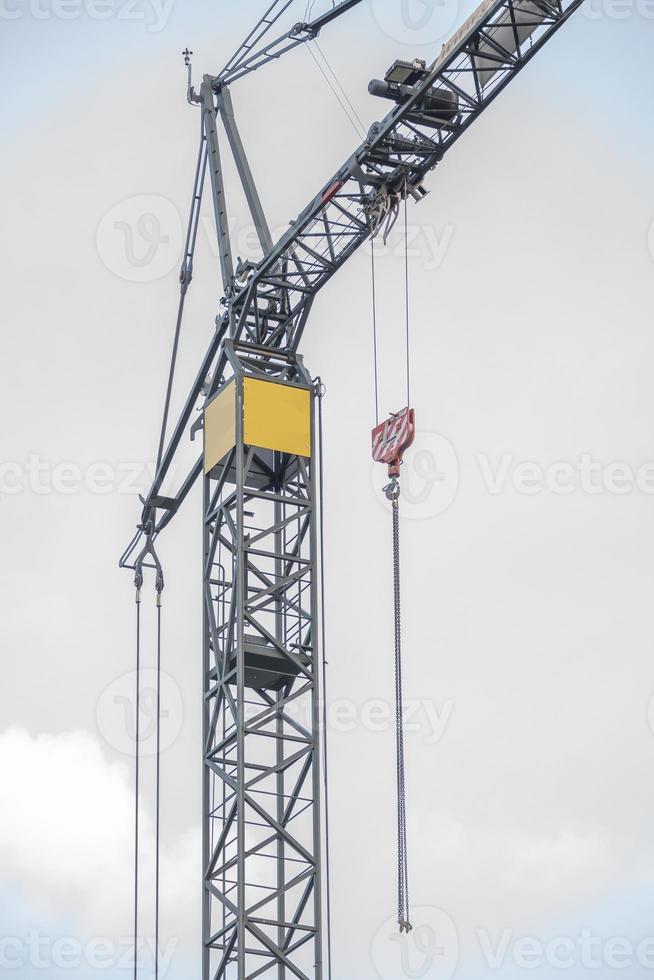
pixel 323 629
pixel 343 106
pixel 393 493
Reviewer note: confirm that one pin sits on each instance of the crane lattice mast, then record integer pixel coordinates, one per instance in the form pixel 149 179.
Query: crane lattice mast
pixel 263 825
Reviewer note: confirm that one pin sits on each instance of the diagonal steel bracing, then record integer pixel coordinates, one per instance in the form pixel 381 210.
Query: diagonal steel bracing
pixel 262 886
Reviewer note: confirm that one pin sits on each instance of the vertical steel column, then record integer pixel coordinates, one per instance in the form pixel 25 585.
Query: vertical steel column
pixel 279 727
pixel 207 833
pixel 243 166
pixel 261 666
pixel 210 123
pixel 240 577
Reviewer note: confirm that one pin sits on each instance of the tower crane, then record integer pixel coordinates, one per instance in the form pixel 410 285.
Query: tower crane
pixel 264 838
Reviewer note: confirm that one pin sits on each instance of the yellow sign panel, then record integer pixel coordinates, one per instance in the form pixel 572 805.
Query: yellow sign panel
pixel 219 426
pixel 277 417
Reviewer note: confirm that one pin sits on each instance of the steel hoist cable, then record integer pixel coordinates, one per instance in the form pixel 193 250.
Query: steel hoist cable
pixel 141 563
pixel 375 227
pixel 374 327
pixel 389 441
pixel 406 296
pixel 321 494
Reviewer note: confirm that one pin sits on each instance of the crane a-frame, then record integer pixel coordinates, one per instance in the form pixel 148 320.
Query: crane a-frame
pixel 263 822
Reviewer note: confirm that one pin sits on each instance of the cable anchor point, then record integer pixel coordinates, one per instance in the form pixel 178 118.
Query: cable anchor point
pixel 392 490
pixel 148 551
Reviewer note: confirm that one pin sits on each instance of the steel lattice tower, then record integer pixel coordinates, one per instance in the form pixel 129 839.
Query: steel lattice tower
pixel 262 894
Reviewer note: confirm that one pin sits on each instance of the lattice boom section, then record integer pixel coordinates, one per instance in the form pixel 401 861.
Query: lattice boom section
pixel 482 58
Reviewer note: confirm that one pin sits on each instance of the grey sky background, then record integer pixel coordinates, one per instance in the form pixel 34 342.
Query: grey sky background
pixel 528 532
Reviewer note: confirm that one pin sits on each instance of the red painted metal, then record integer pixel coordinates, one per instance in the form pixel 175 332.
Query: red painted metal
pixel 331 191
pixel 390 439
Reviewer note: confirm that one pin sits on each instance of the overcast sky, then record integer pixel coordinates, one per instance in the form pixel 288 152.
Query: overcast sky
pixel 528 532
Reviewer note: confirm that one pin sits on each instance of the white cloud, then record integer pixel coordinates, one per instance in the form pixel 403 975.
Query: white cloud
pixel 511 875
pixel 66 838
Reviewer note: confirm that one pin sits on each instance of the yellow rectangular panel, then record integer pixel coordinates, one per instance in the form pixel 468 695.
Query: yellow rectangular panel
pixel 219 426
pixel 277 417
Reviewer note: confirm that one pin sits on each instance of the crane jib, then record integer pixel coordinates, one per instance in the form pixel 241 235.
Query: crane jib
pixel 477 62
pixel 271 307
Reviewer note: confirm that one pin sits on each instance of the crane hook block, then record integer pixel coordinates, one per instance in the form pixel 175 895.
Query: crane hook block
pixel 391 439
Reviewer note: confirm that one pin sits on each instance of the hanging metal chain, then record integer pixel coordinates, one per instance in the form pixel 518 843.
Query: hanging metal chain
pixel 157 872
pixel 393 493
pixel 137 758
